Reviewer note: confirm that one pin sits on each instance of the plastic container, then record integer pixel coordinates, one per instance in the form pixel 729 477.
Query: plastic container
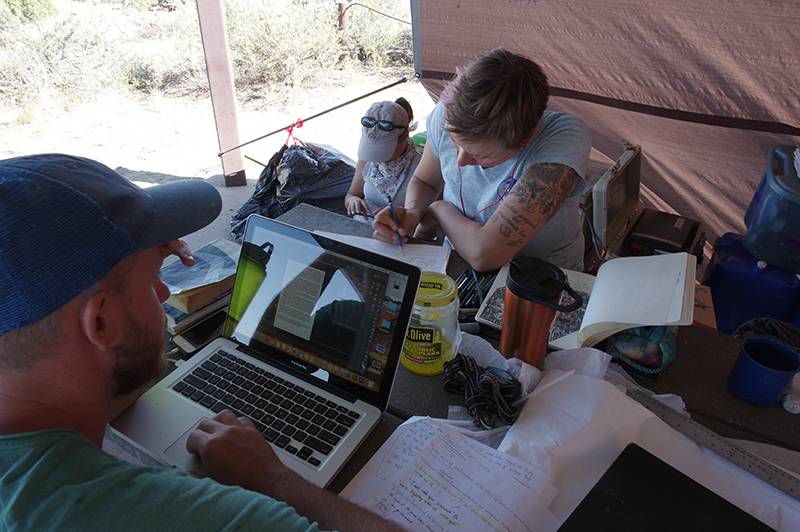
pixel 420 139
pixel 742 291
pixel 433 335
pixel 773 217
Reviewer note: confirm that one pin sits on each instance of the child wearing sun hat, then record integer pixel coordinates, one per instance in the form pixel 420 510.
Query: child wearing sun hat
pixel 387 158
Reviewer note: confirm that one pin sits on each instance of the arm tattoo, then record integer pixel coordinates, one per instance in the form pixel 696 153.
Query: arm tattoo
pixel 541 191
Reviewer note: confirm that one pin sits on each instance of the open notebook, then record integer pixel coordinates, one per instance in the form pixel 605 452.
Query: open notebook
pixel 310 350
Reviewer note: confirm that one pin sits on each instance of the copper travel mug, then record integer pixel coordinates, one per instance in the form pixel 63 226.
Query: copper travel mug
pixel 533 291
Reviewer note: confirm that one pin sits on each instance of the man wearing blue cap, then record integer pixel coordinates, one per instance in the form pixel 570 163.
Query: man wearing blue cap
pixel 81 325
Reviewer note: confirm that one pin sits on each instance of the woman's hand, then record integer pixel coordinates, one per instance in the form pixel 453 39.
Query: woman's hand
pixel 429 228
pixel 386 230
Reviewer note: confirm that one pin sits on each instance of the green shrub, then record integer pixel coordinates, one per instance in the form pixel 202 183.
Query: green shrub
pixel 277 50
pixel 26 116
pixel 155 45
pixel 65 58
pixel 25 10
pixel 378 33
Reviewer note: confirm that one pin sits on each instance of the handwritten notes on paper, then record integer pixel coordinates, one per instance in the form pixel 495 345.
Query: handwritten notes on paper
pixel 424 256
pixel 445 481
pixel 401 447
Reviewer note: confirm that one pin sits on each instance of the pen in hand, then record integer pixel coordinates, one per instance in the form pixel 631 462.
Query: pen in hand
pixel 394 219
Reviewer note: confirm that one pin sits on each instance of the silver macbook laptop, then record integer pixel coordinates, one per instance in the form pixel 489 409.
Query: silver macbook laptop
pixel 310 350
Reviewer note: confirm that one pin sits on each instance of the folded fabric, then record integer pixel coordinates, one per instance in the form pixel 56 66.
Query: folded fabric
pixel 787 333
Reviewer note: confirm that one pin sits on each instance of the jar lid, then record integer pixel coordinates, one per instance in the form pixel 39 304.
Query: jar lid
pixel 791 403
pixel 436 290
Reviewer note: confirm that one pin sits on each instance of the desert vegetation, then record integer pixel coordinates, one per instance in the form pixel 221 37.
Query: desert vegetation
pixel 54 52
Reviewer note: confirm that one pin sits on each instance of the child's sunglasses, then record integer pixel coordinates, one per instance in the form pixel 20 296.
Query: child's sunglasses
pixel 383 125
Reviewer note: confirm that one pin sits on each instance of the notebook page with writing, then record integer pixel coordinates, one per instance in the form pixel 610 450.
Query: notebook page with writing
pixel 456 484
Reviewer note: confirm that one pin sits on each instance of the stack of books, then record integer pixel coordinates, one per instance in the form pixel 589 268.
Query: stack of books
pixel 199 290
pixel 178 320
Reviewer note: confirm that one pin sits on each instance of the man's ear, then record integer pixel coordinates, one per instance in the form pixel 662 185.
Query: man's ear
pixel 99 320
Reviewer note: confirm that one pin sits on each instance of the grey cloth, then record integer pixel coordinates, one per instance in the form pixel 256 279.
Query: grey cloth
pixel 788 333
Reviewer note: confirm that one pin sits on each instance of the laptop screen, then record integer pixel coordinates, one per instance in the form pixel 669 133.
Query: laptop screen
pixel 321 307
pixel 616 195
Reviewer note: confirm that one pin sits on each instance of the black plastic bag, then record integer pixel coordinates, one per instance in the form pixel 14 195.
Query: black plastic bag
pixel 263 200
pixel 316 175
pixel 301 173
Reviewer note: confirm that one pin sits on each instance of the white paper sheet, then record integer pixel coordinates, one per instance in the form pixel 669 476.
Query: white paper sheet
pixel 571 430
pixel 457 484
pixel 423 256
pixel 401 447
pixel 575 429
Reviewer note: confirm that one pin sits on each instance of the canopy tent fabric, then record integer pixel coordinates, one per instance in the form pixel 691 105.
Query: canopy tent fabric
pixel 706 87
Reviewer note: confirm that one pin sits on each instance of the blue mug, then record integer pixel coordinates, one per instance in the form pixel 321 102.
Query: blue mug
pixel 764 370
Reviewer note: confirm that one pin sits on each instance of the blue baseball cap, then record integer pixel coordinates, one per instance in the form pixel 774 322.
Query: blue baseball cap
pixel 66 221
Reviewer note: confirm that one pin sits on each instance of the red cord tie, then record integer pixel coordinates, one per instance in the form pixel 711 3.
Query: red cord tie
pixel 290 129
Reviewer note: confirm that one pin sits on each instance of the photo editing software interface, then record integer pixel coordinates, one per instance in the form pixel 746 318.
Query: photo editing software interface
pixel 329 315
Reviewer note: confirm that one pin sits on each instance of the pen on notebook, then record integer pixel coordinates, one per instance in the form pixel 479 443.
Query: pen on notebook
pixel 461 281
pixel 486 283
pixel 394 218
pixel 478 287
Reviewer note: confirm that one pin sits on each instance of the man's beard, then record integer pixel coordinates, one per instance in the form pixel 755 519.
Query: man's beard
pixel 140 358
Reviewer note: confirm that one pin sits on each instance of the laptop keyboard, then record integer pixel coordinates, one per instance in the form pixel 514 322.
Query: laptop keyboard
pixel 287 415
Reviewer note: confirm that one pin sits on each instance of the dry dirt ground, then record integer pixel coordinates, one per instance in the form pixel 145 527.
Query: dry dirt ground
pixel 154 138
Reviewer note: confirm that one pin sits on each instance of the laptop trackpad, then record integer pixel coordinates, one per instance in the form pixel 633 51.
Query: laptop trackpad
pixel 183 458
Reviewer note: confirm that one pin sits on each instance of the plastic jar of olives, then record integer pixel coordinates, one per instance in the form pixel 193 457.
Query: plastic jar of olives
pixel 433 335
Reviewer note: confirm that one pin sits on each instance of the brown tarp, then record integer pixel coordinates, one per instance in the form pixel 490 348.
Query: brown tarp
pixel 705 87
